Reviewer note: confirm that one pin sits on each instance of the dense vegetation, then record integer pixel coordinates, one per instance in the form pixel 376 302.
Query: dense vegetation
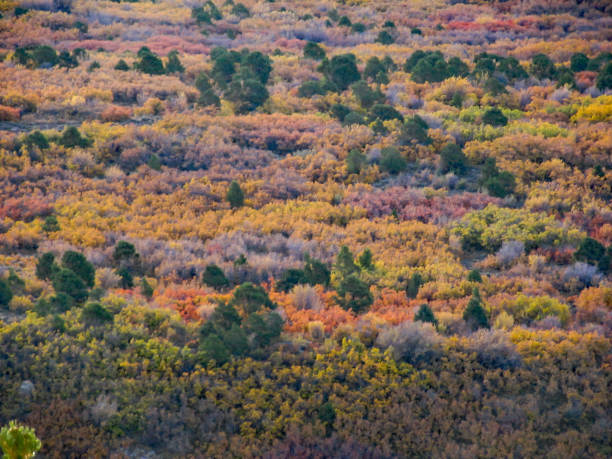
pixel 306 228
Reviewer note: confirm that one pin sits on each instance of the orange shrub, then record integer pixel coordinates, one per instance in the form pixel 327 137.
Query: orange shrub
pixel 9 113
pixel 115 113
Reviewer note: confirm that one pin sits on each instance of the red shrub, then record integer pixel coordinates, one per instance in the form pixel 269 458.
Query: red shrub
pixel 24 209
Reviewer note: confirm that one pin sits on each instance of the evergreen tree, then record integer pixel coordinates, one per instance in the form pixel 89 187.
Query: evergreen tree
pixel 425 314
pixel 77 263
pixel 316 272
pixel 95 314
pixel 6 295
pixel 341 70
pixel 354 294
pixel 414 283
pixel 214 277
pixel 392 161
pixel 146 289
pixel 314 51
pixel 71 138
pixel 365 260
pixel 46 266
pixel 234 195
pixel 51 225
pixel 542 67
pixel 66 281
pixel 173 65
pixel 122 66
pixel 452 159
pixel 149 62
pixel 127 280
pixel 345 264
pixel 494 117
pixel 251 298
pixel 590 251
pixel 475 314
pixel 355 161
pixel 474 276
pixel 290 278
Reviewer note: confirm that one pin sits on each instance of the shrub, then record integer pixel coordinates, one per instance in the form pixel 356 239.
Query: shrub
pixel 365 95
pixel 341 70
pixel 488 228
pixel 18 442
pixel 582 273
pixel 414 342
pixel 314 51
pixel 542 67
pixel 37 139
pixel 510 251
pixel 95 314
pixel 504 321
pixel 590 251
pixel 106 278
pixel 51 224
pixel 494 117
pixel 355 160
pixel 494 349
pixel 71 138
pixel 376 70
pixel 306 297
pixel 579 62
pixel 604 79
pixel 414 131
pixel 149 62
pixel 392 161
pixel 531 309
pixel 115 113
pixel 452 159
pixel 9 113
pixel 384 38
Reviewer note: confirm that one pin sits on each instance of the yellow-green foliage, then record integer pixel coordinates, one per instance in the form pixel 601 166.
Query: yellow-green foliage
pixel 488 228
pixel 528 309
